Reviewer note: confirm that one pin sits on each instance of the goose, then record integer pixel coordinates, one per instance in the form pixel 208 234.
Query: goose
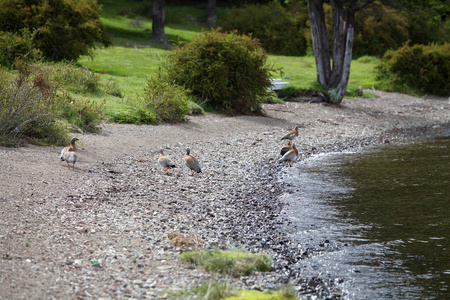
pixel 65 149
pixel 70 157
pixel 165 161
pixel 192 162
pixel 291 135
pixel 291 155
pixel 286 148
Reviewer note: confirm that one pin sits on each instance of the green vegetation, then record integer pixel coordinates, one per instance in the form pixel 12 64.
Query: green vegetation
pixel 64 29
pixel 417 69
pixel 232 262
pixel 211 290
pixel 119 83
pixel 223 290
pixel 224 70
pixel 28 107
pixel 280 30
pixel 257 295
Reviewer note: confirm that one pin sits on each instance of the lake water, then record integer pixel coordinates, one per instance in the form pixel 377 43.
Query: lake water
pixel 378 220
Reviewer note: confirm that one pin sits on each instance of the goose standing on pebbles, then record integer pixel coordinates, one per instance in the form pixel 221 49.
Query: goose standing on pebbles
pixel 165 161
pixel 291 155
pixel 192 162
pixel 286 148
pixel 291 135
pixel 70 157
pixel 71 146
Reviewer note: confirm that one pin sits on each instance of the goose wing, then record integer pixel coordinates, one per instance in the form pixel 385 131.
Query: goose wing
pixel 192 163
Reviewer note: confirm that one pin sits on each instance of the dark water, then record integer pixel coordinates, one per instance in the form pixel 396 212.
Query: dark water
pixel 381 218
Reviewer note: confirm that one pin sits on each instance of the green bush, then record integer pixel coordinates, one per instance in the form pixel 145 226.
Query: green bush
pixel 226 71
pixel 280 30
pixel 73 78
pixel 379 28
pixel 418 69
pixel 66 29
pixel 29 107
pixel 18 45
pixel 166 99
pixel 83 115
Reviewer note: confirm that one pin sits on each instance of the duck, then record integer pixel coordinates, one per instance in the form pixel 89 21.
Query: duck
pixel 192 162
pixel 291 135
pixel 65 149
pixel 290 156
pixel 70 157
pixel 165 161
pixel 286 148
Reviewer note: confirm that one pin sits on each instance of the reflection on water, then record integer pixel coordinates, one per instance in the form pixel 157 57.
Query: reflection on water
pixel 385 214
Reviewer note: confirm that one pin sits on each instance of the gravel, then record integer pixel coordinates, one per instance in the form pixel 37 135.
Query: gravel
pixel 101 231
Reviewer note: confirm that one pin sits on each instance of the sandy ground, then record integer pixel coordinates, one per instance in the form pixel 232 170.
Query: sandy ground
pixel 33 174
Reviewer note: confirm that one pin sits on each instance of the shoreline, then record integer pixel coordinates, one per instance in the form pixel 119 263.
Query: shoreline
pixel 118 206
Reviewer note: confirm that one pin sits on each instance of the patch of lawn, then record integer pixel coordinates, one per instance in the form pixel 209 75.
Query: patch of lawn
pixel 257 295
pixel 232 262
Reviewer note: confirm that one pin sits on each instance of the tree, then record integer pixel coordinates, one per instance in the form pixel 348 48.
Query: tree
pixel 159 16
pixel 333 76
pixel 62 29
pixel 212 14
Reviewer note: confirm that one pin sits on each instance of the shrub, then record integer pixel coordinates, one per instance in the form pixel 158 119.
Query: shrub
pixel 18 45
pixel 83 115
pixel 379 28
pixel 167 100
pixel 67 29
pixel 420 69
pixel 73 78
pixel 226 70
pixel 28 107
pixel 280 30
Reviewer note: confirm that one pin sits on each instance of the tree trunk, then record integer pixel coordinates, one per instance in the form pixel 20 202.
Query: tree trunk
pixel 335 79
pixel 212 14
pixel 159 16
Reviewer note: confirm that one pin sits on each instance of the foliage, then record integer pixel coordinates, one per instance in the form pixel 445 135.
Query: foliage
pixel 226 70
pixel 73 78
pixel 280 30
pixel 135 115
pixel 210 290
pixel 417 68
pixel 257 295
pixel 168 100
pixel 83 115
pixel 28 107
pixel 66 29
pixel 379 28
pixel 235 263
pixel 18 45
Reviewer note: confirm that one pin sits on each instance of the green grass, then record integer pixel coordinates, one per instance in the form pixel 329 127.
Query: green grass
pixel 257 295
pixel 130 66
pixel 232 262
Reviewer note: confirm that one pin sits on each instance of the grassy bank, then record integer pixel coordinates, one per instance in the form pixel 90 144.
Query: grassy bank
pixel 133 57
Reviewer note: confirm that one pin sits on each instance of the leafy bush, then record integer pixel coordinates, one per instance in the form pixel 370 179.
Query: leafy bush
pixel 226 70
pixel 28 107
pixel 66 29
pixel 167 100
pixel 18 45
pixel 280 30
pixel 83 115
pixel 379 28
pixel 418 68
pixel 73 78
